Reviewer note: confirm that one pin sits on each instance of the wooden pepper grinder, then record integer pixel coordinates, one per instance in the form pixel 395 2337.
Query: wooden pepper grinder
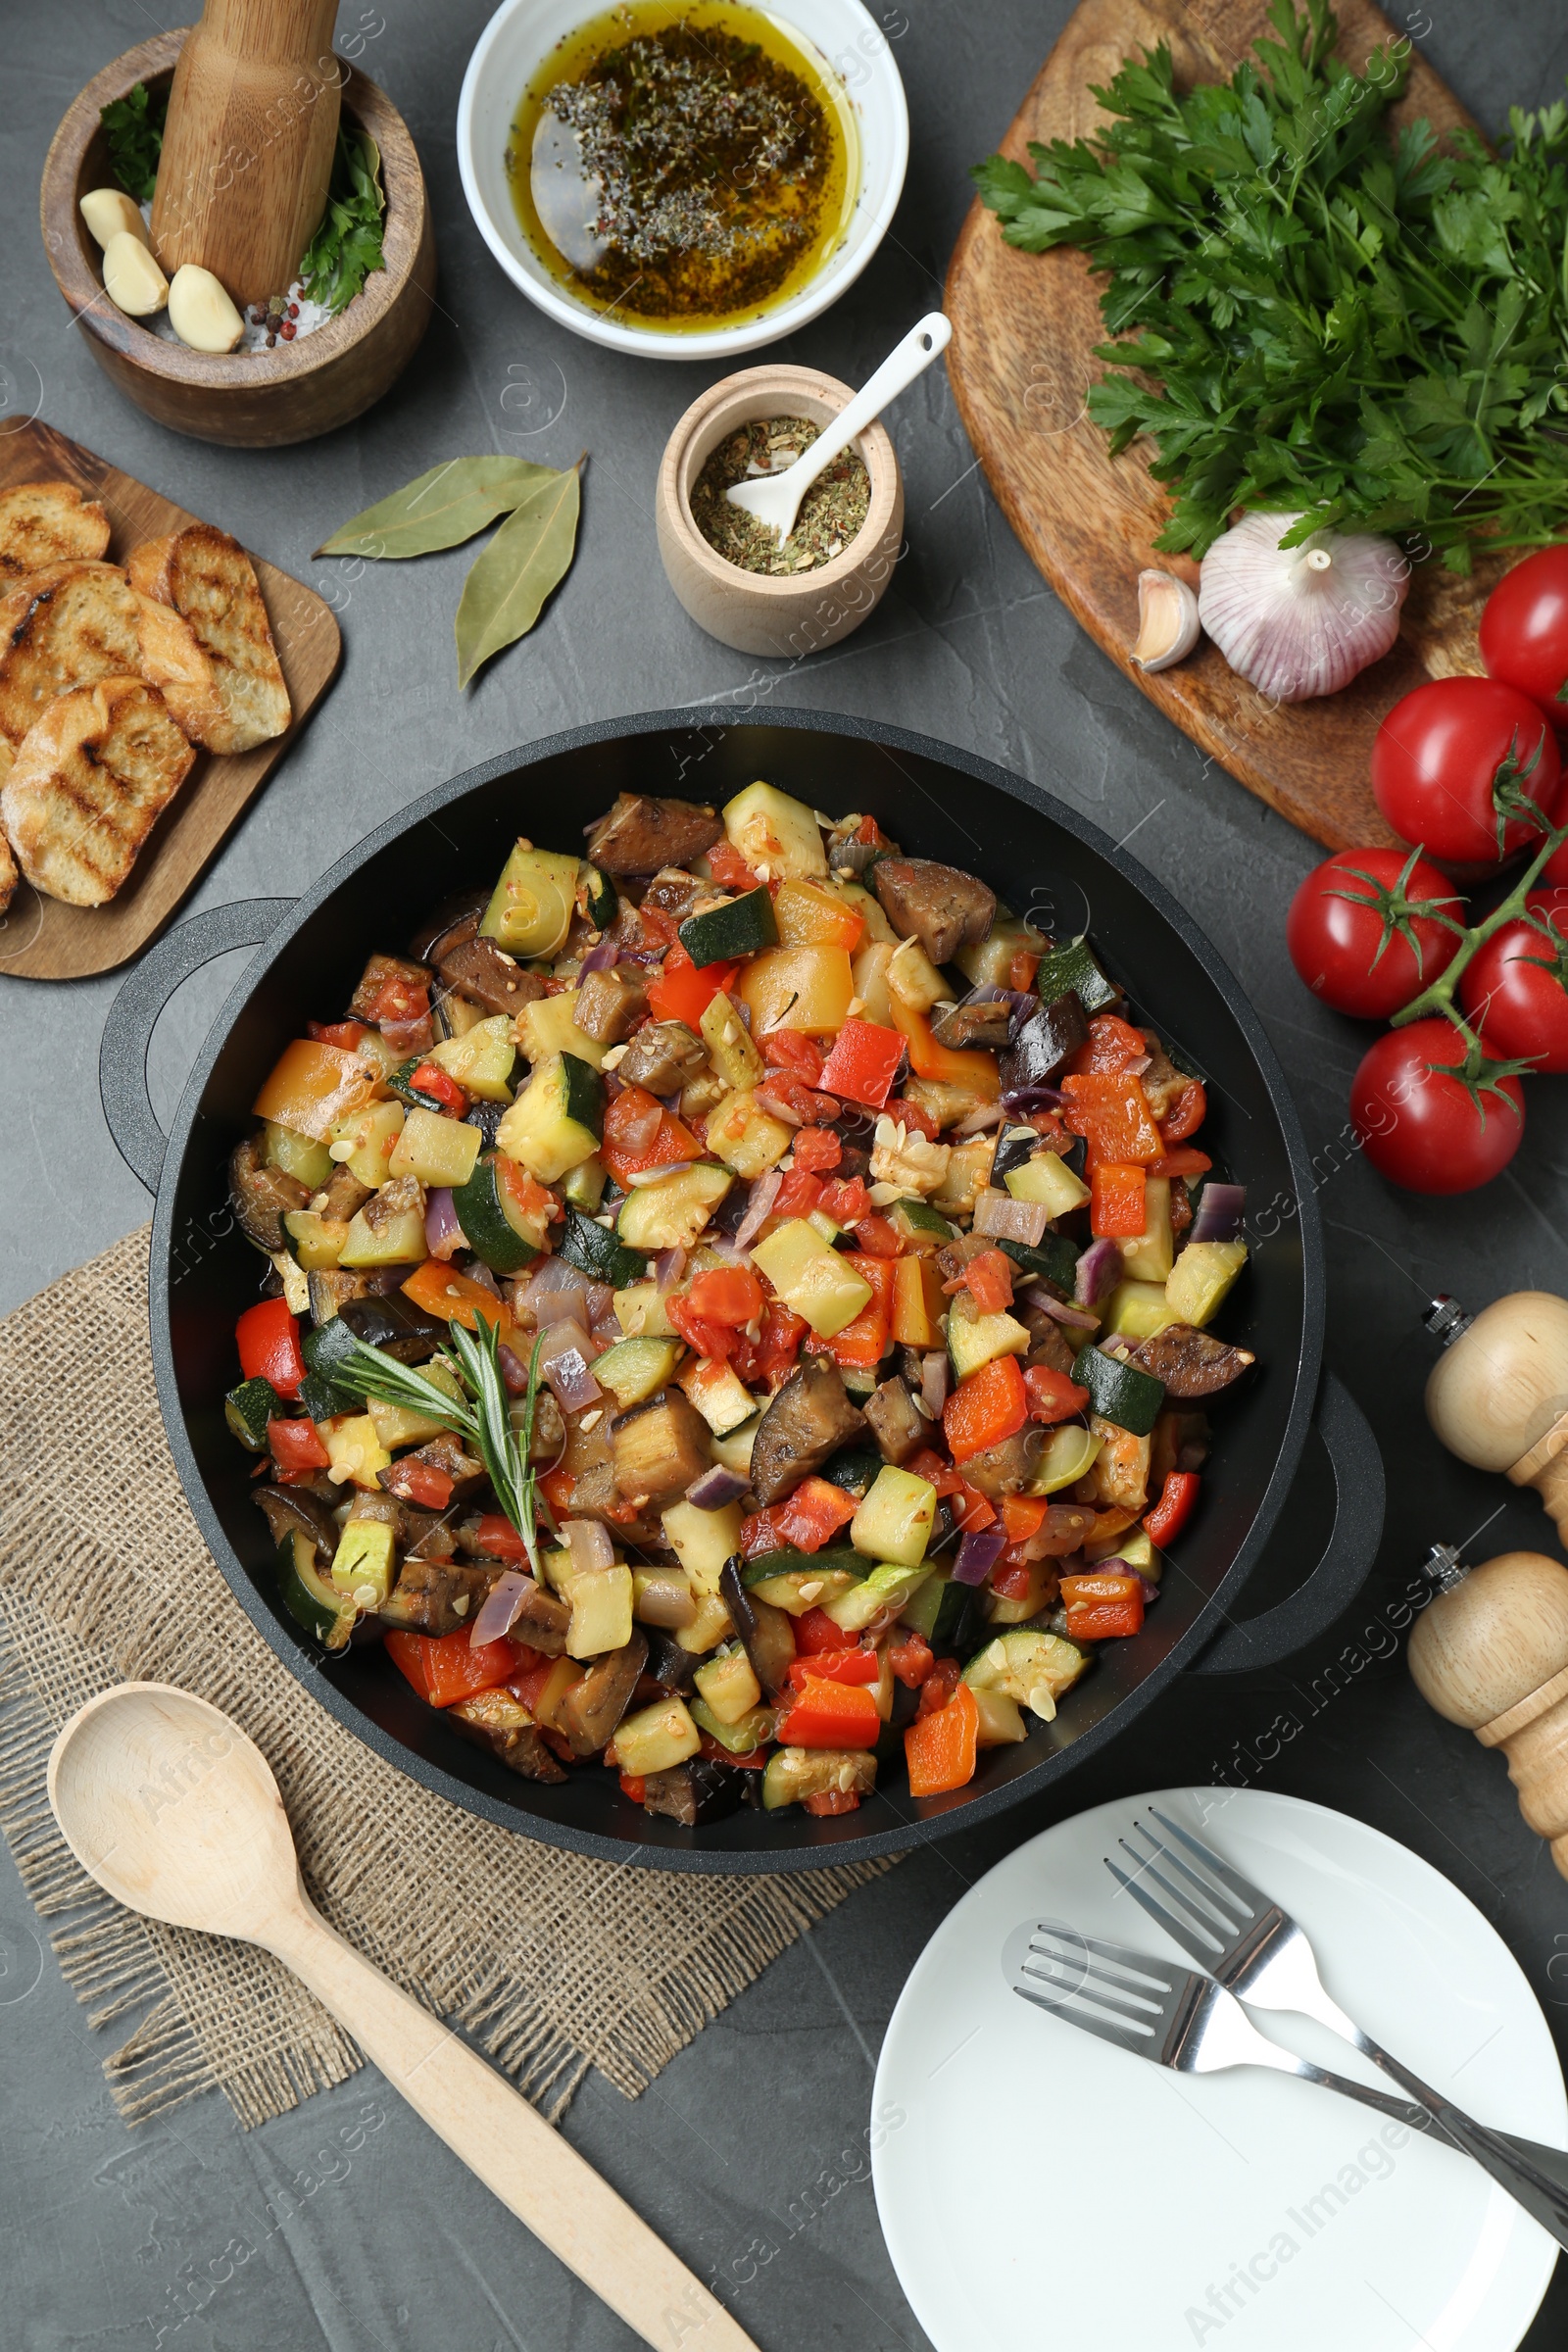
pixel 249 142
pixel 1491 1653
pixel 1499 1395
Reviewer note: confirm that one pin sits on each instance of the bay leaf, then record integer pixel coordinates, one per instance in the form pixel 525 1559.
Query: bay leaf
pixel 529 555
pixel 439 509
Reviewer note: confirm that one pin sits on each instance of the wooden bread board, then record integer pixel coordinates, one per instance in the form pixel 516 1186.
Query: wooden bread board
pixel 43 938
pixel 1024 331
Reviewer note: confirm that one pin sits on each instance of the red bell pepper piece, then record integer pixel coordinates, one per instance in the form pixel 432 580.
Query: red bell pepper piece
pixel 431 1079
pixel 866 1339
pixel 993 1403
pixel 443 1667
pixel 793 1051
pixel 346 1034
pixel 813 1513
pixel 679 992
pixel 831 1715
pixel 1024 1515
pixel 815 1635
pixel 910 1658
pixel 1022 969
pixel 1102 1606
pixel 640 1134
pixel 498 1538
pixel 634 1786
pixel 760 1533
pixel 855 1665
pixel 1187 1114
pixel 864 1063
pixel 1178 1498
pixel 1117 1192
pixel 1053 1396
pixel 1111 1113
pixel 824 1802
pixel 557 1486
pixel 729 1294
pixel 941 1747
pixel 1182 1159
pixel 297 1446
pixel 876 1237
pixel 268 1338
pixel 817 1149
pixel 989 1278
pixel 422 1483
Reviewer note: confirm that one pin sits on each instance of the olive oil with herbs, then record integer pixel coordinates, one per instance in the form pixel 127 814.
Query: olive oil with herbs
pixel 685 166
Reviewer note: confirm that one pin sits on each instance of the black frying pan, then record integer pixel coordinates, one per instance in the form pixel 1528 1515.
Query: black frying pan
pixel 939 803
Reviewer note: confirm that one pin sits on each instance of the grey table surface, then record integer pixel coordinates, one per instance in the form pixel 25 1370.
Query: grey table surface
pixel 346 2223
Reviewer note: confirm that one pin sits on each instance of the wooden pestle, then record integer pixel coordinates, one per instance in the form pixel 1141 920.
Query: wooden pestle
pixel 249 142
pixel 1499 1396
pixel 1491 1653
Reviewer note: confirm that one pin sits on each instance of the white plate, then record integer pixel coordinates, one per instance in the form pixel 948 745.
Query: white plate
pixel 505 58
pixel 1038 2188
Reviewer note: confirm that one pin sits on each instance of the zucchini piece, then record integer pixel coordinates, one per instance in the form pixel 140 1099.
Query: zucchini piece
pixel 393 1237
pixel 656 1737
pixel 633 1370
pixel 639 1305
pixel 558 1118
pixel 595 1252
pixel 1002 1722
pixel 1046 1177
pixel 729 1048
pixel 364 1142
pixel 310 1598
pixel 1031 1668
pixel 1119 1392
pixel 813 1278
pixel 974 1339
pixel 1073 970
pixel 741 926
pixel 734 1447
pixel 727 1685
pixel 744 1135
pixel 1071 1453
pixel 298 1155
pixel 354 1451
pixel 363 1563
pixel 532 906
pixel 482 1059
pixel 495 1223
pixel 1140 1309
pixel 895 1520
pixel 413 1098
pixel 1148 1255
pixel 798 1580
pixel 598 895
pixel 436 1150
pixel 702 1541
pixel 719 1395
pixel 887 1587
pixel 742 1738
pixel 584 1184
pixel 1202 1278
pixel 314 1241
pixel 397 1425
pixel 711 1626
pixel 959 1621
pixel 989 960
pixel 919 1224
pixel 248 1409
pixel 549 1025
pixel 670 1213
pixel 601 1611
pixel 795 1772
pixel 777 836
pixel 1055 1258
pixel 323 1399
pixel 854 1467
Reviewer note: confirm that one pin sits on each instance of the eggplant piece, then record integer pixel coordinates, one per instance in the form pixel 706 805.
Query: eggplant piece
pixel 596 1496
pixel 980 1019
pixel 661 1057
pixel 897 1427
pixel 1042 1044
pixel 658 1450
pixel 345 1196
pixel 1052 1347
pixel 260 1196
pixel 395 1325
pixel 592 1708
pixel 375 977
pixel 441 1453
pixel 808 1421
pixel 1190 1362
pixel 428 1535
pixel 1163 1082
pixel 291 1509
pixel 456 918
pixel 939 906
pixel 487 1117
pixel 436 1597
pixel 672 1668
pixel 1007 1468
pixel 673 894
pixel 766 1633
pixel 473 967
pixel 610 1004
pixel 696 1791
pixel 496 1720
pixel 1065 1527
pixel 1016 1147
pixel 543 1620
pixel 642 833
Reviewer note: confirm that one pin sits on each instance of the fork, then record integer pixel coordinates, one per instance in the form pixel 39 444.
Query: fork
pixel 1253 1948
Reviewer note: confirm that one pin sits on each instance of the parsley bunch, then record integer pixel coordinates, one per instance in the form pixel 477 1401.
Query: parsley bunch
pixel 347 245
pixel 134 126
pixel 1315 314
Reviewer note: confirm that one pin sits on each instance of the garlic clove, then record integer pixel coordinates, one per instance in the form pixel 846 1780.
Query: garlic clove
pixel 1299 621
pixel 1167 620
pixel 108 211
pixel 201 312
pixel 132 279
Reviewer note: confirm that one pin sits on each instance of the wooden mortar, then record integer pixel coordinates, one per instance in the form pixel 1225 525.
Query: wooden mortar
pixel 1499 1396
pixel 248 144
pixel 1493 1654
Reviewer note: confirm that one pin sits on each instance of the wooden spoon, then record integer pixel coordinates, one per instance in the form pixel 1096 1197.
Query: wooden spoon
pixel 165 1802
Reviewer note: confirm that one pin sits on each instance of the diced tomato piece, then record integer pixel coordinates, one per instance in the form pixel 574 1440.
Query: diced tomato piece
pixel 1053 1396
pixel 993 1403
pixel 1187 1114
pixel 729 868
pixel 1184 1159
pixel 791 1049
pixel 941 1747
pixel 529 1681
pixel 401 999
pixel 346 1034
pixel 790 1097
pixel 1117 1195
pixel 268 1338
pixel 928 1465
pixel 813 1513
pixel 866 1340
pixel 828 1714
pixel 939 1685
pixel 910 1658
pixel 679 992
pixel 431 1079
pixel 865 1061
pixel 822 1803
pixel 634 1786
pixel 989 1277
pixel 855 1665
pixel 1012 1579
pixel 1113 1046
pixel 817 1149
pixel 714 1339
pixel 640 1134
pixel 420 1483
pixel 297 1446
pixel 727 1294
pixel 913 1117
pixel 815 1633
pixel 1024 1515
pixel 443 1667
pixel 799 1193
pixel 846 1201
pixel 1022 969
pixel 870 833
pixel 557 1486
pixel 876 1236
pixel 1178 1498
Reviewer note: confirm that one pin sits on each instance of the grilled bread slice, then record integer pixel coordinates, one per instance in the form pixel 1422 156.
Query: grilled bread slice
pixel 206 577
pixel 48 522
pixel 70 625
pixel 88 784
pixel 172 660
pixel 10 874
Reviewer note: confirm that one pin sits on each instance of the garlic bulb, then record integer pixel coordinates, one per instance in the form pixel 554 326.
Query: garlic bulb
pixel 1167 620
pixel 1299 621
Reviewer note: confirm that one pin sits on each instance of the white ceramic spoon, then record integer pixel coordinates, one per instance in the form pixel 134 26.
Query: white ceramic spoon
pixel 774 499
pixel 165 1802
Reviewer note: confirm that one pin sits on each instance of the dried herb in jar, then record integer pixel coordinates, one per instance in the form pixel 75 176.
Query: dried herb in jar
pixel 832 511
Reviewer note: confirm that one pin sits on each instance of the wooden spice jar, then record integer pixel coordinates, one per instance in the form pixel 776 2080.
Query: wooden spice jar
pixel 762 613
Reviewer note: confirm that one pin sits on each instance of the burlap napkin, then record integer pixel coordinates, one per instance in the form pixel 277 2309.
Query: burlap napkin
pixel 553 1962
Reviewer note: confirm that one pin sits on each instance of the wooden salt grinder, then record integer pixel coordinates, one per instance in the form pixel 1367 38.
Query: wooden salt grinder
pixel 249 143
pixel 1491 1653
pixel 1499 1395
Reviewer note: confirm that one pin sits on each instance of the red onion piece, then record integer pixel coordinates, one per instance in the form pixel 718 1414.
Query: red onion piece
pixel 764 1192
pixel 635 1135
pixel 444 1237
pixel 665 1167
pixel 513 1369
pixel 989 1114
pixel 1077 1318
pixel 599 960
pixel 1002 1218
pixel 716 1488
pixel 1099 1270
pixel 589 1544
pixel 1024 1100
pixel 982 1547
pixel 553 1291
pixel 563 1360
pixel 480 1273
pixel 669 1267
pixel 934 1376
pixel 500 1605
pixel 409 1037
pixel 778 1109
pixel 1220 1209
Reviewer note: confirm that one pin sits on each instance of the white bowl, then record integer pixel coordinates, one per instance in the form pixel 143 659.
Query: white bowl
pixel 508 55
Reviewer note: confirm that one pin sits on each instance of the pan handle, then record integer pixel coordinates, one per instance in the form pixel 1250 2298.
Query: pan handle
pixel 133 1016
pixel 1361 1492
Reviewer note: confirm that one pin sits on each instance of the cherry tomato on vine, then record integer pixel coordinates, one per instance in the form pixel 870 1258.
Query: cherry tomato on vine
pixel 1524 630
pixel 1524 1009
pixel 1336 930
pixel 1426 1129
pixel 1438 755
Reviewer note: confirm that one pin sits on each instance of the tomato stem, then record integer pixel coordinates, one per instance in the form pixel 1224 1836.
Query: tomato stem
pixel 1437 998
